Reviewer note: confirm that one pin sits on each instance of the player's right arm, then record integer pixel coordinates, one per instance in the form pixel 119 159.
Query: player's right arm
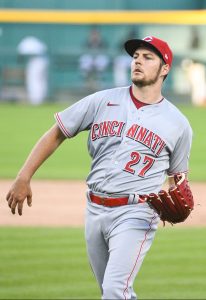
pixel 21 190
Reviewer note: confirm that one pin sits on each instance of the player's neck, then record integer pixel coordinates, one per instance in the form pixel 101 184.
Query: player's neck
pixel 147 94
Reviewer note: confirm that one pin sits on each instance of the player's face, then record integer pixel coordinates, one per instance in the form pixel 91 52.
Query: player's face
pixel 146 67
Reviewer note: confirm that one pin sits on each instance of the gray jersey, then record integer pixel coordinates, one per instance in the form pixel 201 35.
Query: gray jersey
pixel 132 149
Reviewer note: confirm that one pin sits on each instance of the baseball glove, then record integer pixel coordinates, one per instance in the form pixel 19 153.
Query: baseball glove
pixel 175 205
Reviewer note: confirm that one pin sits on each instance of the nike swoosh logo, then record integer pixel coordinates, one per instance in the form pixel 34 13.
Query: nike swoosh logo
pixel 112 104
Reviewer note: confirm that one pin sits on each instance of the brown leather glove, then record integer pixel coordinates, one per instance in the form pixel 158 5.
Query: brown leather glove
pixel 175 205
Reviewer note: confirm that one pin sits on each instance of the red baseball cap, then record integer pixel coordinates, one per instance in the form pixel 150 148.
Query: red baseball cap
pixel 157 45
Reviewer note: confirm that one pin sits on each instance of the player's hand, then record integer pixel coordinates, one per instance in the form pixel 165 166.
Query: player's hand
pixel 19 191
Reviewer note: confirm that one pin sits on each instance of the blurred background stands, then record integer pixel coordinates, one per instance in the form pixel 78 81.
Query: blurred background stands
pixel 67 45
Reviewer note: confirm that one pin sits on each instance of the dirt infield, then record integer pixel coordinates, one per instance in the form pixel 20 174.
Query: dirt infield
pixel 62 203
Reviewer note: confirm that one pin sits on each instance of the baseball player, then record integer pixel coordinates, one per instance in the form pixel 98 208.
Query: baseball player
pixel 137 139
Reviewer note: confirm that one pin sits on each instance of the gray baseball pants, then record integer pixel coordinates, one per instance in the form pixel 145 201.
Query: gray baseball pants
pixel 118 239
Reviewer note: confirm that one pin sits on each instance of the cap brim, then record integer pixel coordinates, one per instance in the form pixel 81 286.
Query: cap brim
pixel 132 45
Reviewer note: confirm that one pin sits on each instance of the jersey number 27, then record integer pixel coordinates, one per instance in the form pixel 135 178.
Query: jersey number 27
pixel 135 159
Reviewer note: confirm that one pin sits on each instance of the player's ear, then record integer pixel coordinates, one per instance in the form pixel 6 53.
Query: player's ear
pixel 165 69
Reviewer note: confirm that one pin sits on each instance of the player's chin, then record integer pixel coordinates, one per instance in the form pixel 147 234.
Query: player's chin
pixel 138 81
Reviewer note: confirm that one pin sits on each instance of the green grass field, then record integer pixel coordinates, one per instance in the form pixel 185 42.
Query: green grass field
pixel 22 125
pixel 51 263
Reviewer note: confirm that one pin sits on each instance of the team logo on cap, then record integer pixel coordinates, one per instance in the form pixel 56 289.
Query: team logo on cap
pixel 166 56
pixel 148 39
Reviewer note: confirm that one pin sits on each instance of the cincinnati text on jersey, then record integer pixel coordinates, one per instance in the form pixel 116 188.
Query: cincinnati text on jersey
pixel 136 132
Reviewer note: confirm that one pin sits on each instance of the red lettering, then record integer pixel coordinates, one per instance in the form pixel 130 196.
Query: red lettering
pixel 157 141
pixel 93 133
pixel 104 128
pixel 121 126
pixel 141 134
pixel 132 131
pixel 113 124
pixel 148 140
pixel 162 145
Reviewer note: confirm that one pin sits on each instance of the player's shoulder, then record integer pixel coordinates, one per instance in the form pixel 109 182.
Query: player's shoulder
pixel 113 92
pixel 111 96
pixel 173 112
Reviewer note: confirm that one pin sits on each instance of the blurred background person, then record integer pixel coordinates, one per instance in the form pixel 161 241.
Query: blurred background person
pixel 94 60
pixel 36 72
pixel 195 69
pixel 196 75
pixel 122 62
pixel 195 38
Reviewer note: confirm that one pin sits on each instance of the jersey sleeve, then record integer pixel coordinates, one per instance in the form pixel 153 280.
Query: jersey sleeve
pixel 78 117
pixel 179 159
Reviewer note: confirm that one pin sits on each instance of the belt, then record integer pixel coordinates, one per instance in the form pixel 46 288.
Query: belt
pixel 112 202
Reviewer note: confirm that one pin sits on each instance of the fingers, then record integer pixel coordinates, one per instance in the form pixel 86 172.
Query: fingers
pixel 9 200
pixel 16 196
pixel 8 196
pixel 20 208
pixel 15 202
pixel 13 205
pixel 29 200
